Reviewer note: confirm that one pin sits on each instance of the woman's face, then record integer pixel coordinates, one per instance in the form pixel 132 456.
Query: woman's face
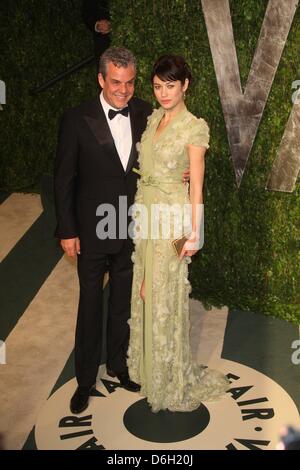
pixel 169 94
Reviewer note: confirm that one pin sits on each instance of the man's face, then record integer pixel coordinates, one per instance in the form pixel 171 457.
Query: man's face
pixel 118 85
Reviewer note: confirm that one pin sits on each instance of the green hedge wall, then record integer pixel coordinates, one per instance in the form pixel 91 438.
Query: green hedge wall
pixel 250 259
pixel 39 39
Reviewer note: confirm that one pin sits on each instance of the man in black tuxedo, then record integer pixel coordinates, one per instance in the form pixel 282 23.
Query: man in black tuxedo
pixel 95 156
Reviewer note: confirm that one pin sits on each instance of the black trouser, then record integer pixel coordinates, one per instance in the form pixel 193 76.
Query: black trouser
pixel 88 339
pixel 101 43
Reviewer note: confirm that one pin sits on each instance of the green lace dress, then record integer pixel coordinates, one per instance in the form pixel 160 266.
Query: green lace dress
pixel 159 356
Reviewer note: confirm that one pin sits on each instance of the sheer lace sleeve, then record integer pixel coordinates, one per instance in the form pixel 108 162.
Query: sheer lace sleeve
pixel 199 133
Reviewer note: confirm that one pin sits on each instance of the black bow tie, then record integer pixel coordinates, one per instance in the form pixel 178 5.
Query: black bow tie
pixel 112 113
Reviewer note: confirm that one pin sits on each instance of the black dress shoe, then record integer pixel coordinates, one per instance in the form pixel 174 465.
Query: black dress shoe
pixel 80 399
pixel 125 380
pixel 110 372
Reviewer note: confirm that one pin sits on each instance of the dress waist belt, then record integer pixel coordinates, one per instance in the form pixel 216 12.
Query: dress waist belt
pixel 156 181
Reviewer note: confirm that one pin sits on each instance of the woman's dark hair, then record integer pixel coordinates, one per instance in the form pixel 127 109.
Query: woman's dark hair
pixel 171 68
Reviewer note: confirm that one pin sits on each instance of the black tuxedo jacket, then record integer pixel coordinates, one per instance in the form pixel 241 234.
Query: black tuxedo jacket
pixel 93 11
pixel 88 172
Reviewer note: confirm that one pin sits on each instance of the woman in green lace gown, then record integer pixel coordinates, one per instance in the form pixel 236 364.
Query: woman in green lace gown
pixel 159 356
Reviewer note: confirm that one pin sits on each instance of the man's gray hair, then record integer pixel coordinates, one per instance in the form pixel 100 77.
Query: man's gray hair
pixel 119 56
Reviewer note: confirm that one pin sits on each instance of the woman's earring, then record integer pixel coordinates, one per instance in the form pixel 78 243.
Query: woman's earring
pixel 184 95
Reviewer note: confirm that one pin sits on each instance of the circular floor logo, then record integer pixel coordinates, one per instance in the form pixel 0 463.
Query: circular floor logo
pixel 248 417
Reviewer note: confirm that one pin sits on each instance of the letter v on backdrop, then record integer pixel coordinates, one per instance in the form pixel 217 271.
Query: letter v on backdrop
pixel 243 111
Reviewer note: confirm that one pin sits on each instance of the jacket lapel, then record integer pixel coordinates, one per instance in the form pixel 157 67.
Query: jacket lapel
pixel 136 131
pixel 97 122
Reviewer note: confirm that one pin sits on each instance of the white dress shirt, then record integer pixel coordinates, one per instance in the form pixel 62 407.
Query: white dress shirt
pixel 121 131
